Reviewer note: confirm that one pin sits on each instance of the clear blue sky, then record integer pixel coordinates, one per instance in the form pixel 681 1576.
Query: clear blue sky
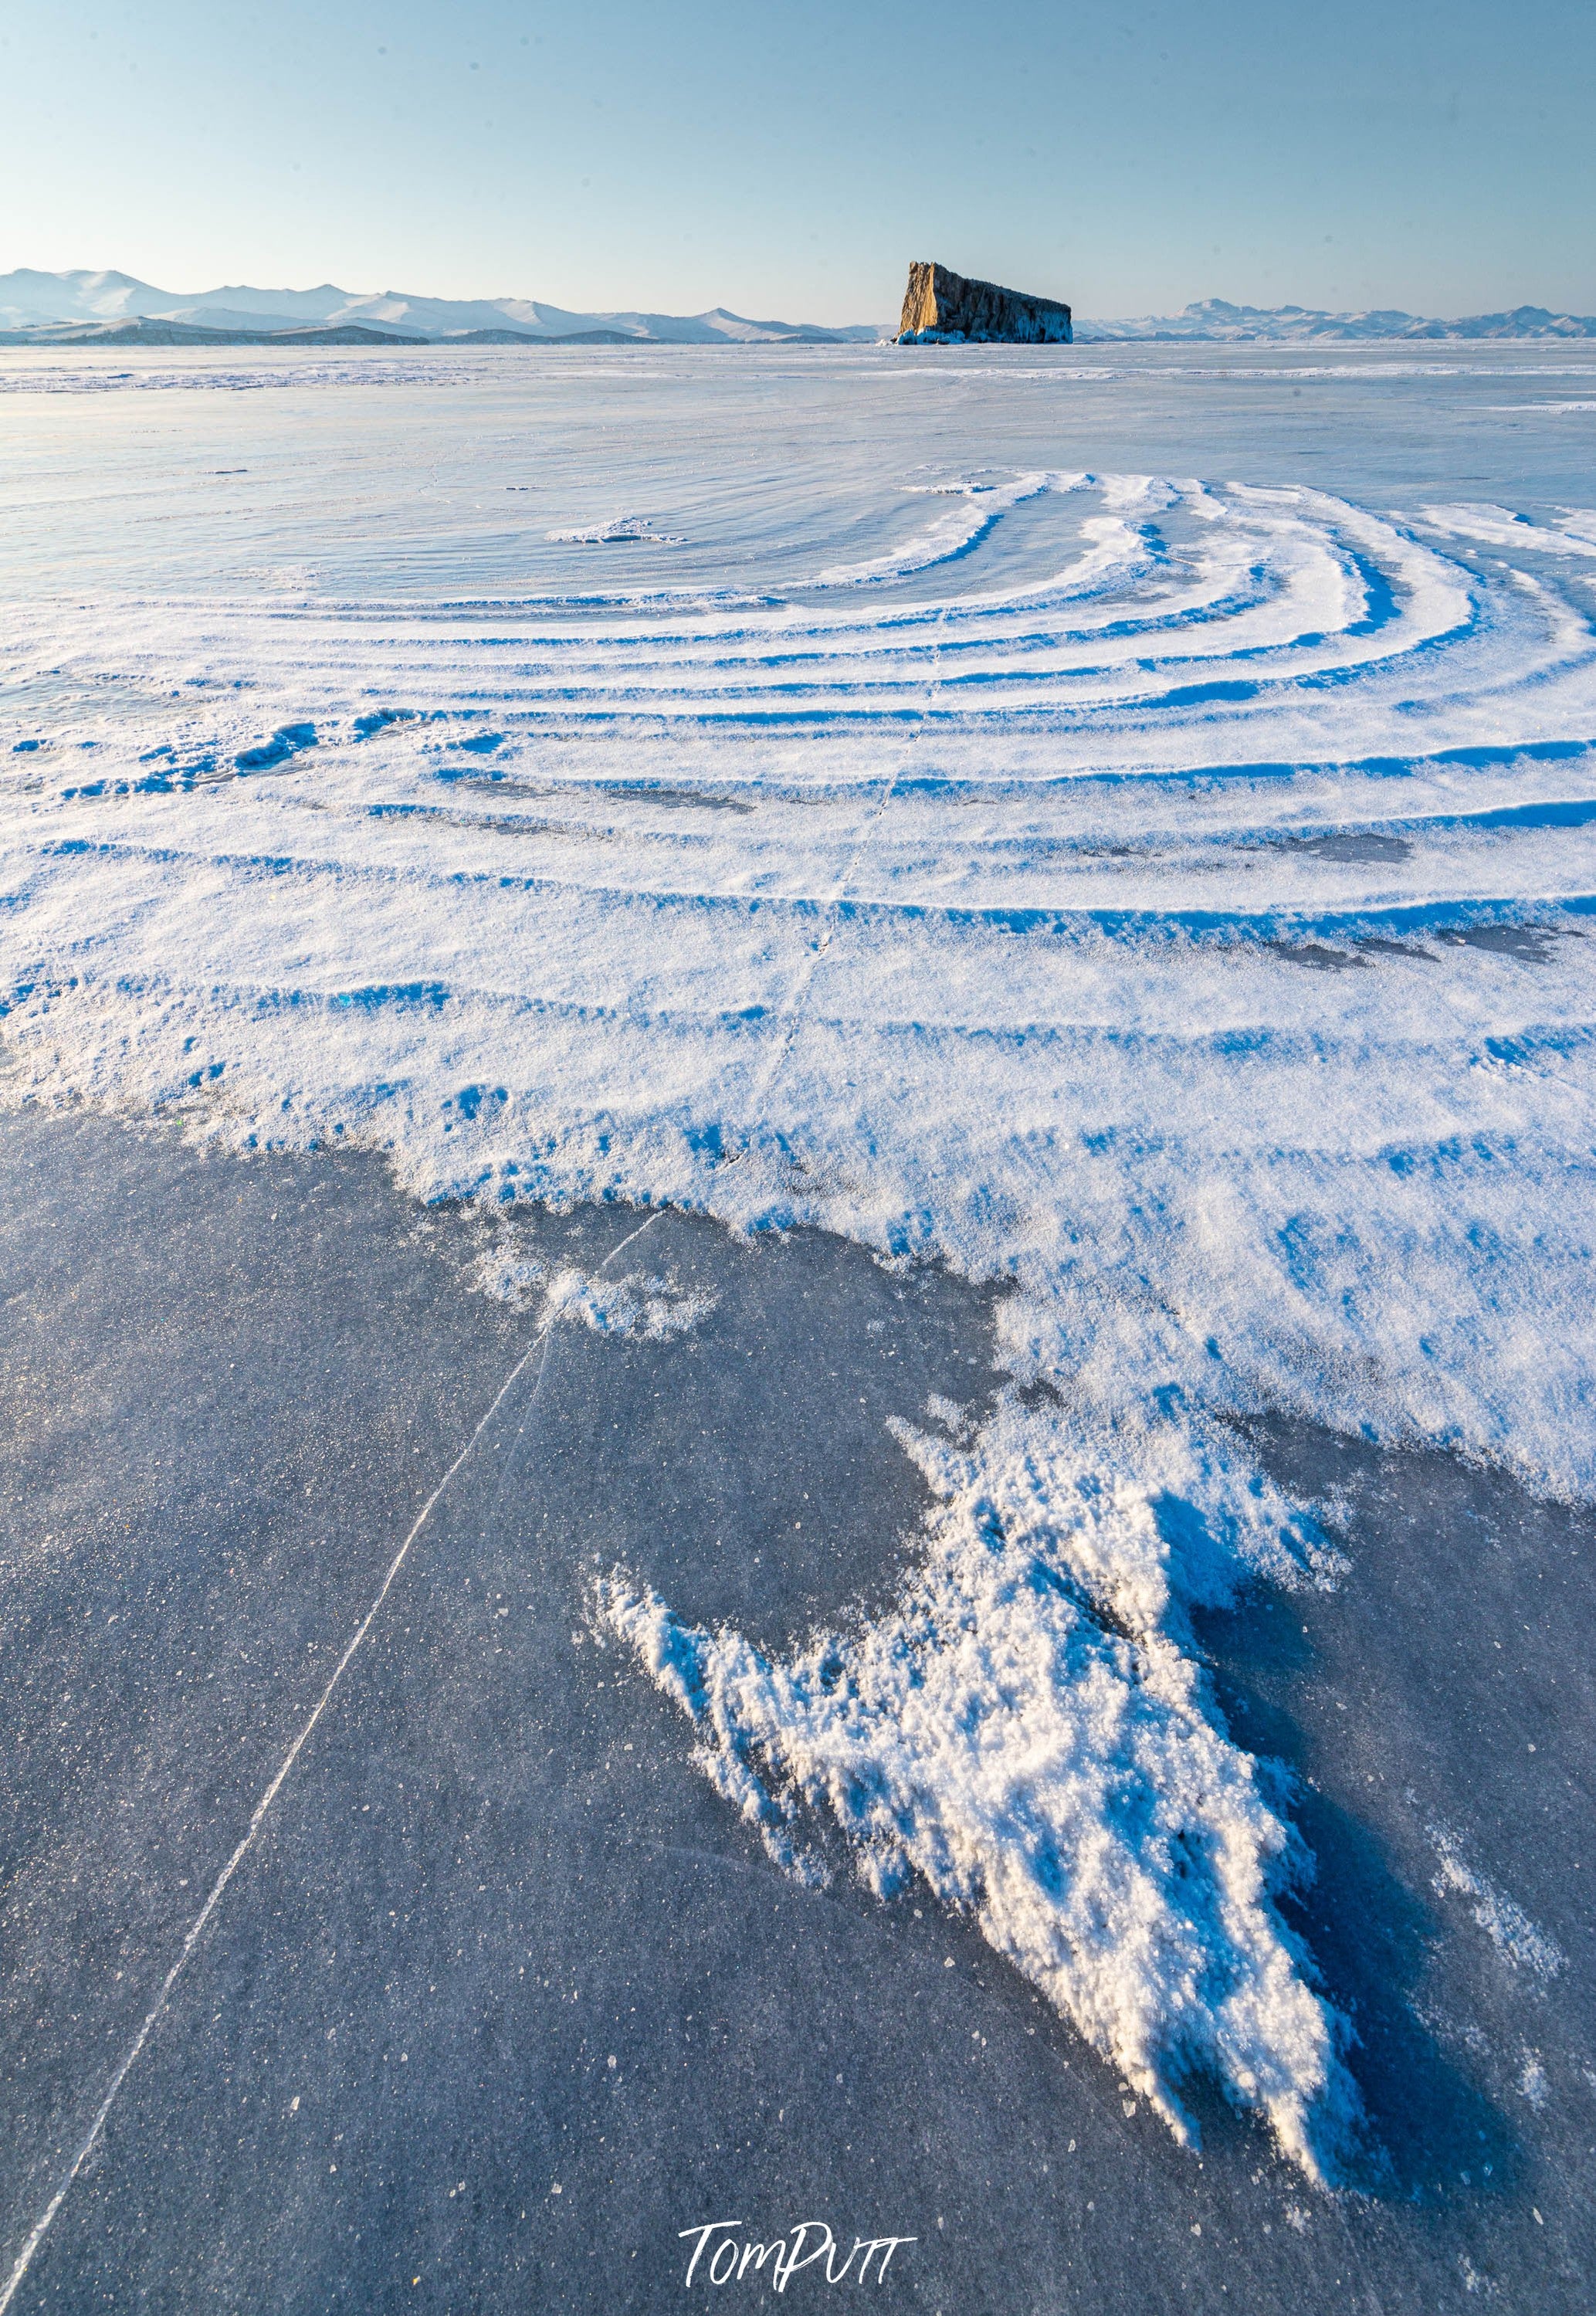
pixel 788 156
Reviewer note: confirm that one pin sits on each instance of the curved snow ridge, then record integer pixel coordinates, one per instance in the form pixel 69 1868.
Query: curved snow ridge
pixel 1270 594
pixel 1572 533
pixel 1484 879
pixel 1066 1784
pixel 954 533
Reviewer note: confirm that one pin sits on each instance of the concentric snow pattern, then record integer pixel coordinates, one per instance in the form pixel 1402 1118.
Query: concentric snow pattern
pixel 1170 897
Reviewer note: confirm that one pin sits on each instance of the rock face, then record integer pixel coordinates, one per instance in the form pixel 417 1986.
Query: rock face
pixel 941 308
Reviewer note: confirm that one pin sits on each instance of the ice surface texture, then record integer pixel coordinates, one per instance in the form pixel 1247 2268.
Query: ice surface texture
pixel 1167 897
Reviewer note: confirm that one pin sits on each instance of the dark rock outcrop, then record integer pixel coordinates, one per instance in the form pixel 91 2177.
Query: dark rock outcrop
pixel 942 308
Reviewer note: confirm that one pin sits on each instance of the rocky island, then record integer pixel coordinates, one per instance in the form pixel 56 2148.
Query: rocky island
pixel 941 308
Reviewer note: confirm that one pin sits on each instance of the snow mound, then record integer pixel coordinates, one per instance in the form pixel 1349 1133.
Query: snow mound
pixel 1065 1784
pixel 621 529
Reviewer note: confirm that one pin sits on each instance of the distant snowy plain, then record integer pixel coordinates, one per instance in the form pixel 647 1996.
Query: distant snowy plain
pixel 1125 828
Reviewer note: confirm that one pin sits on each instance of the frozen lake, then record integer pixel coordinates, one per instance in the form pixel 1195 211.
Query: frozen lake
pixel 1106 832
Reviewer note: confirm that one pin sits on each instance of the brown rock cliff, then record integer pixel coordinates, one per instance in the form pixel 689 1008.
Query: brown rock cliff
pixel 943 307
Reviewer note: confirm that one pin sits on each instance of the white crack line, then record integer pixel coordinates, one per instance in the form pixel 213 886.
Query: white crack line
pixel 196 1929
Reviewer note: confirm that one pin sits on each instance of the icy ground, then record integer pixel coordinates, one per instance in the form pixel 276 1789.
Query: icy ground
pixel 1121 828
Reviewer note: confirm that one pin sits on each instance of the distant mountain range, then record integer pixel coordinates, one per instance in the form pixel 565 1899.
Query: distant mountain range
pixel 89 308
pixel 86 309
pixel 1214 320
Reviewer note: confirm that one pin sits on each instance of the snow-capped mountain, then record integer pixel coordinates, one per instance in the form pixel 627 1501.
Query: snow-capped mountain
pixel 31 302
pixel 1215 319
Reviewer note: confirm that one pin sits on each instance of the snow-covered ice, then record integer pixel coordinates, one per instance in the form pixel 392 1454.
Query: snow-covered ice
pixel 1162 888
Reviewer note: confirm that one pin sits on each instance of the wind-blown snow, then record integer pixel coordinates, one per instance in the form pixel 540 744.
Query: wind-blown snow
pixel 1504 1922
pixel 1168 896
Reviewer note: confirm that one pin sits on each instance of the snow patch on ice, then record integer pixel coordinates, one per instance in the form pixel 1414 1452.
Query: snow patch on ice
pixel 645 1309
pixel 1509 1928
pixel 650 1310
pixel 956 1420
